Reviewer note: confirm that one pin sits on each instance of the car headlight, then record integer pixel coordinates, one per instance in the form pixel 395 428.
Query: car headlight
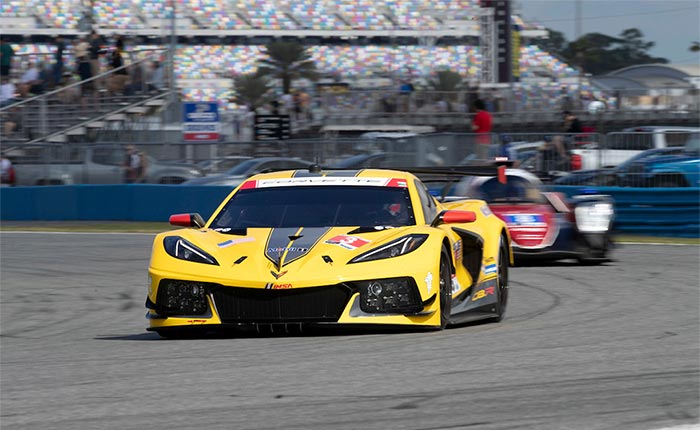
pixel 594 217
pixel 185 250
pixel 398 247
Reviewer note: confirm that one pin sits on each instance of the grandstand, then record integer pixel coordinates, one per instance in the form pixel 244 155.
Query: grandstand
pixel 356 40
pixel 359 42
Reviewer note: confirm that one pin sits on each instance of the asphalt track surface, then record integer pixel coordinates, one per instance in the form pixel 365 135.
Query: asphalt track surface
pixel 615 346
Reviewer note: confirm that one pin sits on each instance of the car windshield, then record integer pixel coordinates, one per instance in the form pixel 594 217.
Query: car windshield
pixel 316 206
pixel 516 189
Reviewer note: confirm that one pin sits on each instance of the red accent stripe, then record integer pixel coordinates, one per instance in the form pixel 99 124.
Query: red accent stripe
pixel 249 184
pixel 397 183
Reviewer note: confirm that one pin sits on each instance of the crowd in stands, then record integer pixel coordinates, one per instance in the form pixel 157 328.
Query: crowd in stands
pixel 248 14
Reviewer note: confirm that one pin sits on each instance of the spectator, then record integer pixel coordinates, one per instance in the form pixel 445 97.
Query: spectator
pixel 82 57
pixel 6 55
pixel 58 60
pixel 132 163
pixel 8 92
pixel 32 81
pixel 142 167
pixel 13 122
pixel 119 77
pixel 137 82
pixel 155 80
pixel 571 123
pixel 96 50
pixel 553 155
pixel 482 125
pixel 7 172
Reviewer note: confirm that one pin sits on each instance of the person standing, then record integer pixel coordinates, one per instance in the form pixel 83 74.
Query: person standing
pixel 482 125
pixel 82 57
pixel 96 51
pixel 58 60
pixel 572 123
pixel 6 55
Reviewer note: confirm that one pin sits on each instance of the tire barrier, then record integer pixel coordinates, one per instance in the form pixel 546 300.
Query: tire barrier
pixel 673 212
pixel 645 211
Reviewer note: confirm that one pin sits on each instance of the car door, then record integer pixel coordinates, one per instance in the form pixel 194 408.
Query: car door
pixel 105 166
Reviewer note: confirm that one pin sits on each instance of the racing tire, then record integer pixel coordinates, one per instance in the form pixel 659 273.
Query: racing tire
pixel 502 281
pixel 445 290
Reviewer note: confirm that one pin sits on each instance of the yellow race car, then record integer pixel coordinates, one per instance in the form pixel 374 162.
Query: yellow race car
pixel 292 249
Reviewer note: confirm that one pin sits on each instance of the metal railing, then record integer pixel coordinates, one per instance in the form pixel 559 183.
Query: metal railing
pixel 629 159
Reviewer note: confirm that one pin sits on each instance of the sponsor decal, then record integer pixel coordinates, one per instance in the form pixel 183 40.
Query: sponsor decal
pixel 524 220
pixel 196 321
pixel 483 293
pixel 281 249
pixel 348 242
pixel 278 275
pixel 486 210
pixel 457 249
pixel 232 242
pixel 429 282
pixel 489 269
pixel 455 284
pixel 326 180
pixel 271 286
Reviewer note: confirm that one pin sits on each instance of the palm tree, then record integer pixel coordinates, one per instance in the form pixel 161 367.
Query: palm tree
pixel 287 61
pixel 251 90
pixel 446 83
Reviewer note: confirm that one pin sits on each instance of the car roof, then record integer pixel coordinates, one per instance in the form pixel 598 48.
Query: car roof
pixel 361 173
pixel 661 128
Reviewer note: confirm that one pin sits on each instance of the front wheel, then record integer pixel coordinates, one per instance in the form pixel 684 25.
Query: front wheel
pixel 502 281
pixel 445 290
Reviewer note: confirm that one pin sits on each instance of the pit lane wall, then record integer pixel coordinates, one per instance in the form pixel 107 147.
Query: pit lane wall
pixel 645 211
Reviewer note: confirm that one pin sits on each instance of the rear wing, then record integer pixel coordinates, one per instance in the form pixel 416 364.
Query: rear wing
pixel 441 179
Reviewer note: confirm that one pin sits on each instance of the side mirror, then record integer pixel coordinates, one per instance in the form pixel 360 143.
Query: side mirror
pixel 453 217
pixel 187 220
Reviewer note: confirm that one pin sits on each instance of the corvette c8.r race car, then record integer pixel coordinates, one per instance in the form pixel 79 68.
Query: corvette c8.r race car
pixel 291 249
pixel 542 224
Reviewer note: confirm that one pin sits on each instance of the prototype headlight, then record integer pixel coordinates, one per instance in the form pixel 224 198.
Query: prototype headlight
pixel 400 246
pixel 594 218
pixel 184 250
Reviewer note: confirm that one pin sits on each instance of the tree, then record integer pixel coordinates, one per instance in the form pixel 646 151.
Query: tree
pixel 694 47
pixel 287 61
pixel 446 83
pixel 598 53
pixel 555 44
pixel 251 90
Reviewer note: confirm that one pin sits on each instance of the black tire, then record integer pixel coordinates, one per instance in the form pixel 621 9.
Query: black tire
pixel 502 281
pixel 445 289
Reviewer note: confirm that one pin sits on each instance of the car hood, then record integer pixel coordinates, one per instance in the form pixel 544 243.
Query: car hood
pixel 271 253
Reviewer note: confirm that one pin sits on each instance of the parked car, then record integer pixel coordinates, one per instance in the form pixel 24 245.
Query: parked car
pixel 221 164
pixel 239 173
pixel 385 160
pixel 661 167
pixel 620 147
pixel 99 164
pixel 542 224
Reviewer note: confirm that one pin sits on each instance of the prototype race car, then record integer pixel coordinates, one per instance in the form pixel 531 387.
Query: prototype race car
pixel 290 249
pixel 545 225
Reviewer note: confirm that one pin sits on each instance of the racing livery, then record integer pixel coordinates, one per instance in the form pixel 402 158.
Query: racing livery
pixel 546 225
pixel 311 247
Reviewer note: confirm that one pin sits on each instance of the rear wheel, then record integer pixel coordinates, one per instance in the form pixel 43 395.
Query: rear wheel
pixel 502 281
pixel 445 290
